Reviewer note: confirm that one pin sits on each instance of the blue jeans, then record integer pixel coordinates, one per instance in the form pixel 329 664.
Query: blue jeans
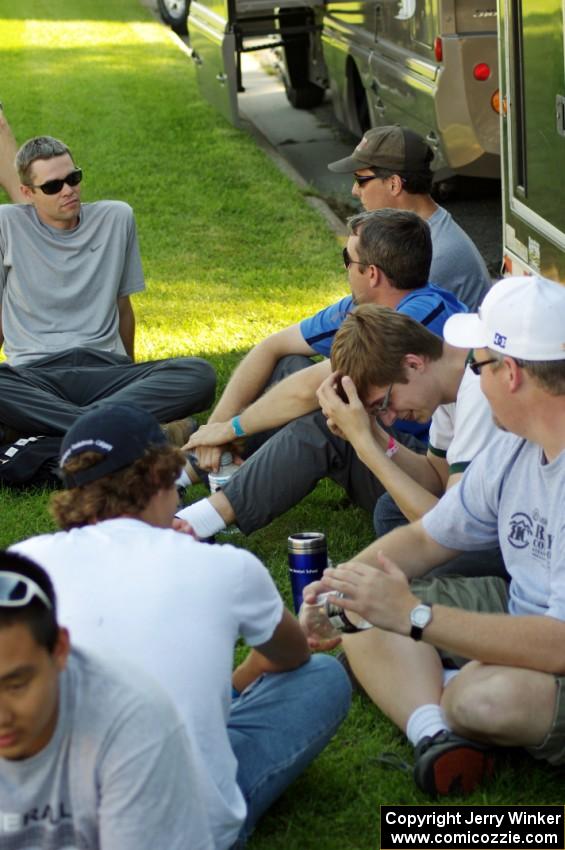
pixel 279 724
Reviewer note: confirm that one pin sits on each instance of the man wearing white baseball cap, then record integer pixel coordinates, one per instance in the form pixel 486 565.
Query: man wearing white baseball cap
pixel 507 643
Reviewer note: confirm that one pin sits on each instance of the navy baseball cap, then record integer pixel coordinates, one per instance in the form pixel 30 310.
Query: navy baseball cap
pixel 120 432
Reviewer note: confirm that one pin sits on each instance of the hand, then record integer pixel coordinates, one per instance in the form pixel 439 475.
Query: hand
pixel 184 527
pixel 320 633
pixel 208 457
pixel 213 434
pixel 349 420
pixel 382 595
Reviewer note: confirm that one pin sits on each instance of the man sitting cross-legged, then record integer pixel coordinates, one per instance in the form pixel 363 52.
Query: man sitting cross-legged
pixel 507 641
pixel 130 584
pixel 92 754
pixel 67 271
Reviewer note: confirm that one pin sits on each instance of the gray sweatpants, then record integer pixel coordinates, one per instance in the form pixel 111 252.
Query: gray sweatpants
pixel 47 396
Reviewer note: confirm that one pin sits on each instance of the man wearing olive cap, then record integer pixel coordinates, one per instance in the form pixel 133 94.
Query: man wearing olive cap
pixel 391 167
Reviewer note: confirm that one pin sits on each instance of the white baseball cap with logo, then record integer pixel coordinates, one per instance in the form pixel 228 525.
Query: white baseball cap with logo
pixel 522 317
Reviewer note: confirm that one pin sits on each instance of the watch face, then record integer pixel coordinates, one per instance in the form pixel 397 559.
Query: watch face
pixel 421 616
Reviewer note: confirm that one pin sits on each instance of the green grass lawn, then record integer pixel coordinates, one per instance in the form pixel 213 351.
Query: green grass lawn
pixel 231 253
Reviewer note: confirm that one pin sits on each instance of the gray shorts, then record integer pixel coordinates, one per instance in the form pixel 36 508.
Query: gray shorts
pixel 489 594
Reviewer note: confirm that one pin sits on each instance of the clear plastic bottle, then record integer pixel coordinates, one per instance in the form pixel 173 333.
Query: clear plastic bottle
pixel 325 620
pixel 218 480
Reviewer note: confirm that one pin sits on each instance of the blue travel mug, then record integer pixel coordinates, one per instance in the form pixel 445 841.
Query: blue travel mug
pixel 307 560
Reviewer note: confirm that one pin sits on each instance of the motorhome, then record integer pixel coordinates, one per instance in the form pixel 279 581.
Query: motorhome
pixel 532 69
pixel 426 64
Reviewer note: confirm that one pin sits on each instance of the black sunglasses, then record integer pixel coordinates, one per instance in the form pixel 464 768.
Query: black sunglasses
pixel 347 259
pixel 53 187
pixel 365 178
pixel 476 365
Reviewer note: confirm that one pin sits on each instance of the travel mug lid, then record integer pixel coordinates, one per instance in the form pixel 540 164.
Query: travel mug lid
pixel 307 541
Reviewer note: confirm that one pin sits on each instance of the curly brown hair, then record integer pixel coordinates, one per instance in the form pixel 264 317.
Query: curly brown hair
pixel 126 492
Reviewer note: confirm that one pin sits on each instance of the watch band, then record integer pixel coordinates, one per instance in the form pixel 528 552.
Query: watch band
pixel 416 632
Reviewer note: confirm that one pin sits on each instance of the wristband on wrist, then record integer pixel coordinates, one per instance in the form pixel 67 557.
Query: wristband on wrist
pixel 238 429
pixel 392 447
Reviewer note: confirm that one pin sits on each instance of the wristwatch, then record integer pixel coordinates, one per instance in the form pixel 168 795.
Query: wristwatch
pixel 420 617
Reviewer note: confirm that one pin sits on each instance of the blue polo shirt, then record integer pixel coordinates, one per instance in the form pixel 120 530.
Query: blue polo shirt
pixel 431 306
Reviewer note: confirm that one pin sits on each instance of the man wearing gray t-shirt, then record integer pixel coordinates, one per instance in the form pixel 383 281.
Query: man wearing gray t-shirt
pixel 90 755
pixel 507 641
pixel 67 271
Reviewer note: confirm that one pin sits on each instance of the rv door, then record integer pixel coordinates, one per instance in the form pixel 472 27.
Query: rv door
pixel 213 43
pixel 533 66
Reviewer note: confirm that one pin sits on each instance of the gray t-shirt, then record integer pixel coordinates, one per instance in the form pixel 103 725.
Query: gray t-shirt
pixel 59 288
pixel 456 262
pixel 118 773
pixel 510 495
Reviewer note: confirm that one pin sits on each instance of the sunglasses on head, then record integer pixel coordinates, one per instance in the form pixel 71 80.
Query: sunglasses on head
pixel 16 591
pixel 53 187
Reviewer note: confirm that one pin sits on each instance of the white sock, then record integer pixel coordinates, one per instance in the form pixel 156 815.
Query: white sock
pixel 183 480
pixel 203 517
pixel 425 720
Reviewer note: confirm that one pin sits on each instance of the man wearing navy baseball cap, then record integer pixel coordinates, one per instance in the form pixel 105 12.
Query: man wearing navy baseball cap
pixel 130 585
pixel 503 646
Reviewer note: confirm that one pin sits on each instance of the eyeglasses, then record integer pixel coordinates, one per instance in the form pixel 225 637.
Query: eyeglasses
pixel 347 259
pixel 383 405
pixel 16 591
pixel 476 365
pixel 365 178
pixel 53 187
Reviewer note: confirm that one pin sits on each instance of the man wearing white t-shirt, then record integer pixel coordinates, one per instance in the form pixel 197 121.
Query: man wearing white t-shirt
pixel 387 364
pixel 130 584
pixel 92 754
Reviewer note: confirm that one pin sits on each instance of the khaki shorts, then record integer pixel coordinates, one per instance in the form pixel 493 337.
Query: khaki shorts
pixel 489 594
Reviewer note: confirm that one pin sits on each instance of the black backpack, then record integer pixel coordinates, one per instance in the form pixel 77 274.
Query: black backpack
pixel 30 462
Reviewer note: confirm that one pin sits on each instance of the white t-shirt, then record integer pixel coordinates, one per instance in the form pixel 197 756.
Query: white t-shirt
pixel 117 774
pixel 459 431
pixel 175 607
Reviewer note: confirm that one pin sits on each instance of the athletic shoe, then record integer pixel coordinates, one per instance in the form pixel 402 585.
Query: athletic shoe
pixel 447 764
pixel 179 432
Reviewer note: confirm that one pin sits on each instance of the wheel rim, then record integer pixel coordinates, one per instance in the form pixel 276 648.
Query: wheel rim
pixel 175 8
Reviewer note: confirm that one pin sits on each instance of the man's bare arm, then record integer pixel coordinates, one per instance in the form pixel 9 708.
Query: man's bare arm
pixel 293 397
pixel 286 650
pixel 251 375
pixel 127 324
pixel 384 597
pixel 9 179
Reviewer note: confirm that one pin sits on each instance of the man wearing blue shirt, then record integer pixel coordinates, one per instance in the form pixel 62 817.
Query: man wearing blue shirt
pixel 388 256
